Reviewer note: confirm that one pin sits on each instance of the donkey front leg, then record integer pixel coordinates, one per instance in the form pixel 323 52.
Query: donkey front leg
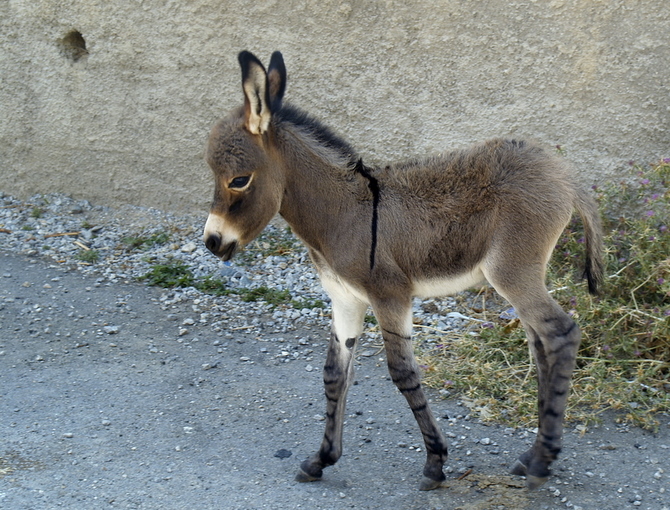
pixel 397 330
pixel 338 373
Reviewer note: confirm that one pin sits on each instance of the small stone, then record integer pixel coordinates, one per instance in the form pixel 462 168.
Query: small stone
pixel 485 441
pixel 283 454
pixel 68 435
pixel 111 330
pixel 228 270
pixel 188 322
pixel 319 417
pixel 245 359
pixel 189 247
pixel 182 331
pixel 509 314
pixel 106 423
pixel 309 368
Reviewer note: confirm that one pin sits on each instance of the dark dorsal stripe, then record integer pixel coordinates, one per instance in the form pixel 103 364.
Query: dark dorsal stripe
pixel 374 189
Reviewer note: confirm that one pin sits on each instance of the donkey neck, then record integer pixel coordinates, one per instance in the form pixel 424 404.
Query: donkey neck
pixel 324 196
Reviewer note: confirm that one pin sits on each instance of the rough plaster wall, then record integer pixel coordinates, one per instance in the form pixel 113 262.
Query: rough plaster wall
pixel 127 123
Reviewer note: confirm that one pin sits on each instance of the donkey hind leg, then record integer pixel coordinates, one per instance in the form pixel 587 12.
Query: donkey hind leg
pixel 553 338
pixel 338 373
pixel 404 370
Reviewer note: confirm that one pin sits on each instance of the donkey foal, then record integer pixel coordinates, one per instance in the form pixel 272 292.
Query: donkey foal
pixel 381 236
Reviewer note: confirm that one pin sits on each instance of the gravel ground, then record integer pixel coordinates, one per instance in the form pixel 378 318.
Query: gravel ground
pixel 115 394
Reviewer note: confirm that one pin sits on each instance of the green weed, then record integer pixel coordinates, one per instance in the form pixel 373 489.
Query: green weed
pixel 371 319
pixel 177 274
pixel 211 285
pixel 271 296
pixel 300 303
pixel 89 256
pixel 143 242
pixel 170 274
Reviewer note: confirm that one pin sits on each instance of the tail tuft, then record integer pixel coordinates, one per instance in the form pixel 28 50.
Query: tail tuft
pixel 593 234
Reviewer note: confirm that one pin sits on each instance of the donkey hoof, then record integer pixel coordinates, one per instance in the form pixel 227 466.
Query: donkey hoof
pixel 533 482
pixel 428 484
pixel 308 472
pixel 303 477
pixel 519 468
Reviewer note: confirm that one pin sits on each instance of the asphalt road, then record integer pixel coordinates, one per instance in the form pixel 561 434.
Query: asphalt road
pixel 105 403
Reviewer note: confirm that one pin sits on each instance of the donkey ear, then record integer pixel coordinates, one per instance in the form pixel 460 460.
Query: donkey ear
pixel 256 98
pixel 276 80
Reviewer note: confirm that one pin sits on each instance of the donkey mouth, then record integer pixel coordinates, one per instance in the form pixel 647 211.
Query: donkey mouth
pixel 228 251
pixel 223 251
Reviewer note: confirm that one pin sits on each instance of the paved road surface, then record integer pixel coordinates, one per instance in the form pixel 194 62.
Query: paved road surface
pixel 104 404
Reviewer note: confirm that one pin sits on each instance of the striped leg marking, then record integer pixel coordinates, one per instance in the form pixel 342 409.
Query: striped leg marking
pixel 338 373
pixel 554 348
pixel 405 374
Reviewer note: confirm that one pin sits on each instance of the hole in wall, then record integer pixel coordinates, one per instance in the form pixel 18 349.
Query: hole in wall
pixel 73 45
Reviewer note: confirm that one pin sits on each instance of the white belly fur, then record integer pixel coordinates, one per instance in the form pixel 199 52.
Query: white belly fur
pixel 438 287
pixel 338 288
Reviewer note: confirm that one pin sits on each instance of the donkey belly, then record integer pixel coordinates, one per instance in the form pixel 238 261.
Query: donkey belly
pixel 445 286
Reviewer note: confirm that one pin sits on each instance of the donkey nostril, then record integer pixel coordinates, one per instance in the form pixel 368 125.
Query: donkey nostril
pixel 213 243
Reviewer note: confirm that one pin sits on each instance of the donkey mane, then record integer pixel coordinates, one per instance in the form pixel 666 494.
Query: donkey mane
pixel 321 135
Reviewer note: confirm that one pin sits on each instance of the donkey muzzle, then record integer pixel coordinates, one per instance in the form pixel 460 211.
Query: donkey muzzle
pixel 224 251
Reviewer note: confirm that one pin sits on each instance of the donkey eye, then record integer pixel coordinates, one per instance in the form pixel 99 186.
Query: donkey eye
pixel 240 182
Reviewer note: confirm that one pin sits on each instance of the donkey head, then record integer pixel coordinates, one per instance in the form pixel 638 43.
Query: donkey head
pixel 248 182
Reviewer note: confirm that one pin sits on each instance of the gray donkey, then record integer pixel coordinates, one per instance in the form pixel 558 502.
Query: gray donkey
pixel 381 236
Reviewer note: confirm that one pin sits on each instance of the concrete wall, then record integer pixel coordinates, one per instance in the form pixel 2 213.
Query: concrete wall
pixel 126 120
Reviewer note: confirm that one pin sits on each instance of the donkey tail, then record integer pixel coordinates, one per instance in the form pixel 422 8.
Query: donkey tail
pixel 593 236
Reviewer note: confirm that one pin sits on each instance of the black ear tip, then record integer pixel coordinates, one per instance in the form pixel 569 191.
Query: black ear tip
pixel 277 60
pixel 244 56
